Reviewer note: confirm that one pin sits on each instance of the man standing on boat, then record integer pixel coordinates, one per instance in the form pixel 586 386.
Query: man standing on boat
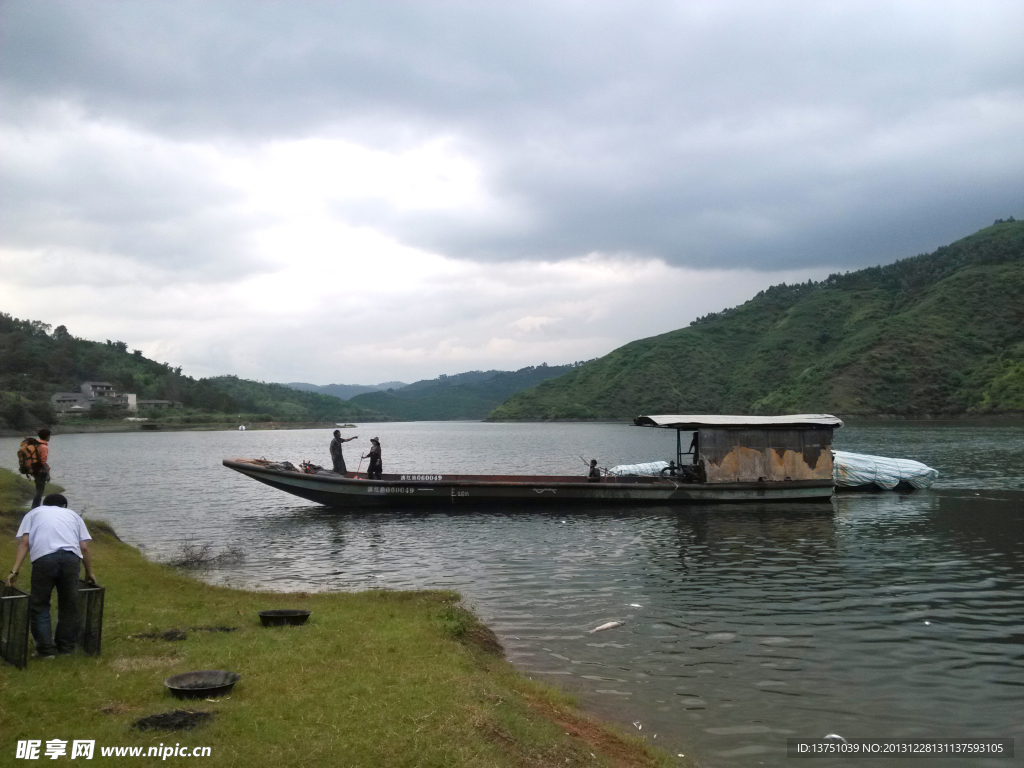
pixel 336 455
pixel 376 468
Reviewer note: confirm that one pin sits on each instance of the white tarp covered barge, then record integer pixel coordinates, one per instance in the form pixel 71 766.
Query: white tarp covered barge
pixel 849 470
pixel 644 468
pixel 858 470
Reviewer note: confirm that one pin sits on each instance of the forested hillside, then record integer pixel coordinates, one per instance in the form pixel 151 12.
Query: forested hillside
pixel 344 391
pixel 932 335
pixel 470 395
pixel 35 363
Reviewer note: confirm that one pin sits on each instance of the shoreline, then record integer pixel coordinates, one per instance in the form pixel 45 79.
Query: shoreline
pixel 376 678
pixel 135 426
pixel 985 420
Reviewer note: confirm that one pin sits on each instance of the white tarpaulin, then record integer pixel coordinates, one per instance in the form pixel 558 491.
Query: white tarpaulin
pixel 854 469
pixel 647 468
pixel 691 421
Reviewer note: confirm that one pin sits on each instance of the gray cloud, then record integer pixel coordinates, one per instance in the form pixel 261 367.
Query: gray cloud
pixel 125 205
pixel 772 135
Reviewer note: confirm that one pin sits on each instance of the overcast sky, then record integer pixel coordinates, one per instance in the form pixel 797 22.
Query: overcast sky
pixel 356 192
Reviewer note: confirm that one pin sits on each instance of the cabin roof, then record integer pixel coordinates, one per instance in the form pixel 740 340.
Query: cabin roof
pixel 689 421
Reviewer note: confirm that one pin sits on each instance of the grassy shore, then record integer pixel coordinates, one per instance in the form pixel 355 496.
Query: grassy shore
pixel 374 679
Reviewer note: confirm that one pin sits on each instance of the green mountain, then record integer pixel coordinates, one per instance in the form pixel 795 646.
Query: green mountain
pixel 469 395
pixel 936 334
pixel 344 391
pixel 286 404
pixel 35 363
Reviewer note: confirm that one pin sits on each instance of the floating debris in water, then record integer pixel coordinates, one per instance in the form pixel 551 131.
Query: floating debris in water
pixel 721 636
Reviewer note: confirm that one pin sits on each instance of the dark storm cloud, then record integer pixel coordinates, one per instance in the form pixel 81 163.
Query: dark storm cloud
pixel 721 134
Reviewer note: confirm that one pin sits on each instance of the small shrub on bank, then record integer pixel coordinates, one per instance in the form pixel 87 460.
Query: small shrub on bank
pixel 202 556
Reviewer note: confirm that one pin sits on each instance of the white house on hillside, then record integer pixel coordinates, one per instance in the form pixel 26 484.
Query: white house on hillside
pixel 93 392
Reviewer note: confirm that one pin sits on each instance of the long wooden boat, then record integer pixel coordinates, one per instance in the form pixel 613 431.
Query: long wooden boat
pixel 732 459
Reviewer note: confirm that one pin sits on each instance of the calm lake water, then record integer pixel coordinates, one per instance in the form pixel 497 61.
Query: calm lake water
pixel 879 615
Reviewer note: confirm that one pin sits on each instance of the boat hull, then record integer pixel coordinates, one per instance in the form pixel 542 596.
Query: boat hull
pixel 356 491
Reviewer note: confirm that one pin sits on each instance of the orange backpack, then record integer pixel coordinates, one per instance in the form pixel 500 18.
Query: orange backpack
pixel 29 462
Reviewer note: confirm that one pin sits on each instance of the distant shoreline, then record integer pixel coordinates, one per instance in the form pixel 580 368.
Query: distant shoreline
pixel 965 419
pixel 134 426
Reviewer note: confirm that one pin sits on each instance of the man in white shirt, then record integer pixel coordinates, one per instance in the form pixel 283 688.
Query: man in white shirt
pixel 57 542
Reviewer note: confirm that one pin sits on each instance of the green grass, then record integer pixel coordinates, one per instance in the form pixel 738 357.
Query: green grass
pixel 374 679
pixel 15 493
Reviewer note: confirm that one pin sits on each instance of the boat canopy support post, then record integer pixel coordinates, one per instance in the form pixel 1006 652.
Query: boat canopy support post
pixel 679 448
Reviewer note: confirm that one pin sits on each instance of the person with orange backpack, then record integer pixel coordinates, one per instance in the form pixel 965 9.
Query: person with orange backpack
pixel 33 455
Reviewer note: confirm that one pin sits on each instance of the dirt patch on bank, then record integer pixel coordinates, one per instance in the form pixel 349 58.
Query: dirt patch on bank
pixel 176 635
pixel 175 720
pixel 115 708
pixel 135 663
pixel 622 751
pixel 480 636
pixel 170 635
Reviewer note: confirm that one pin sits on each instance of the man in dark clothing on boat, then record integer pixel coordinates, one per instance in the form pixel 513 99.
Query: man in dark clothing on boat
pixel 376 468
pixel 336 456
pixel 595 472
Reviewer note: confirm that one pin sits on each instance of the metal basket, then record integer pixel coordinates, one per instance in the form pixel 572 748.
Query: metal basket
pixel 13 626
pixel 90 610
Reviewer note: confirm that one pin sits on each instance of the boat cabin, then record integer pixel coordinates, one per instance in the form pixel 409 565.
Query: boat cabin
pixel 751 449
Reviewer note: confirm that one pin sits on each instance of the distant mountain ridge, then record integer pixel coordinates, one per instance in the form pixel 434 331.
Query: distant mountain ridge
pixel 468 395
pixel 931 335
pixel 344 391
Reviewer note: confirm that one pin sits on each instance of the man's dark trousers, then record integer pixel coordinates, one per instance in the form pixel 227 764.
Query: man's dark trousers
pixel 61 570
pixel 40 489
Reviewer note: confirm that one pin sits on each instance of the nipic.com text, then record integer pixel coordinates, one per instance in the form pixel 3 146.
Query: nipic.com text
pixel 85 749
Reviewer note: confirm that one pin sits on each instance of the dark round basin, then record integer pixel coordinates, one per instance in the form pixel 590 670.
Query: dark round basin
pixel 203 684
pixel 282 616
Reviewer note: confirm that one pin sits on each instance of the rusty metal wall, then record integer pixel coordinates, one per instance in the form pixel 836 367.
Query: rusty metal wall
pixel 752 455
